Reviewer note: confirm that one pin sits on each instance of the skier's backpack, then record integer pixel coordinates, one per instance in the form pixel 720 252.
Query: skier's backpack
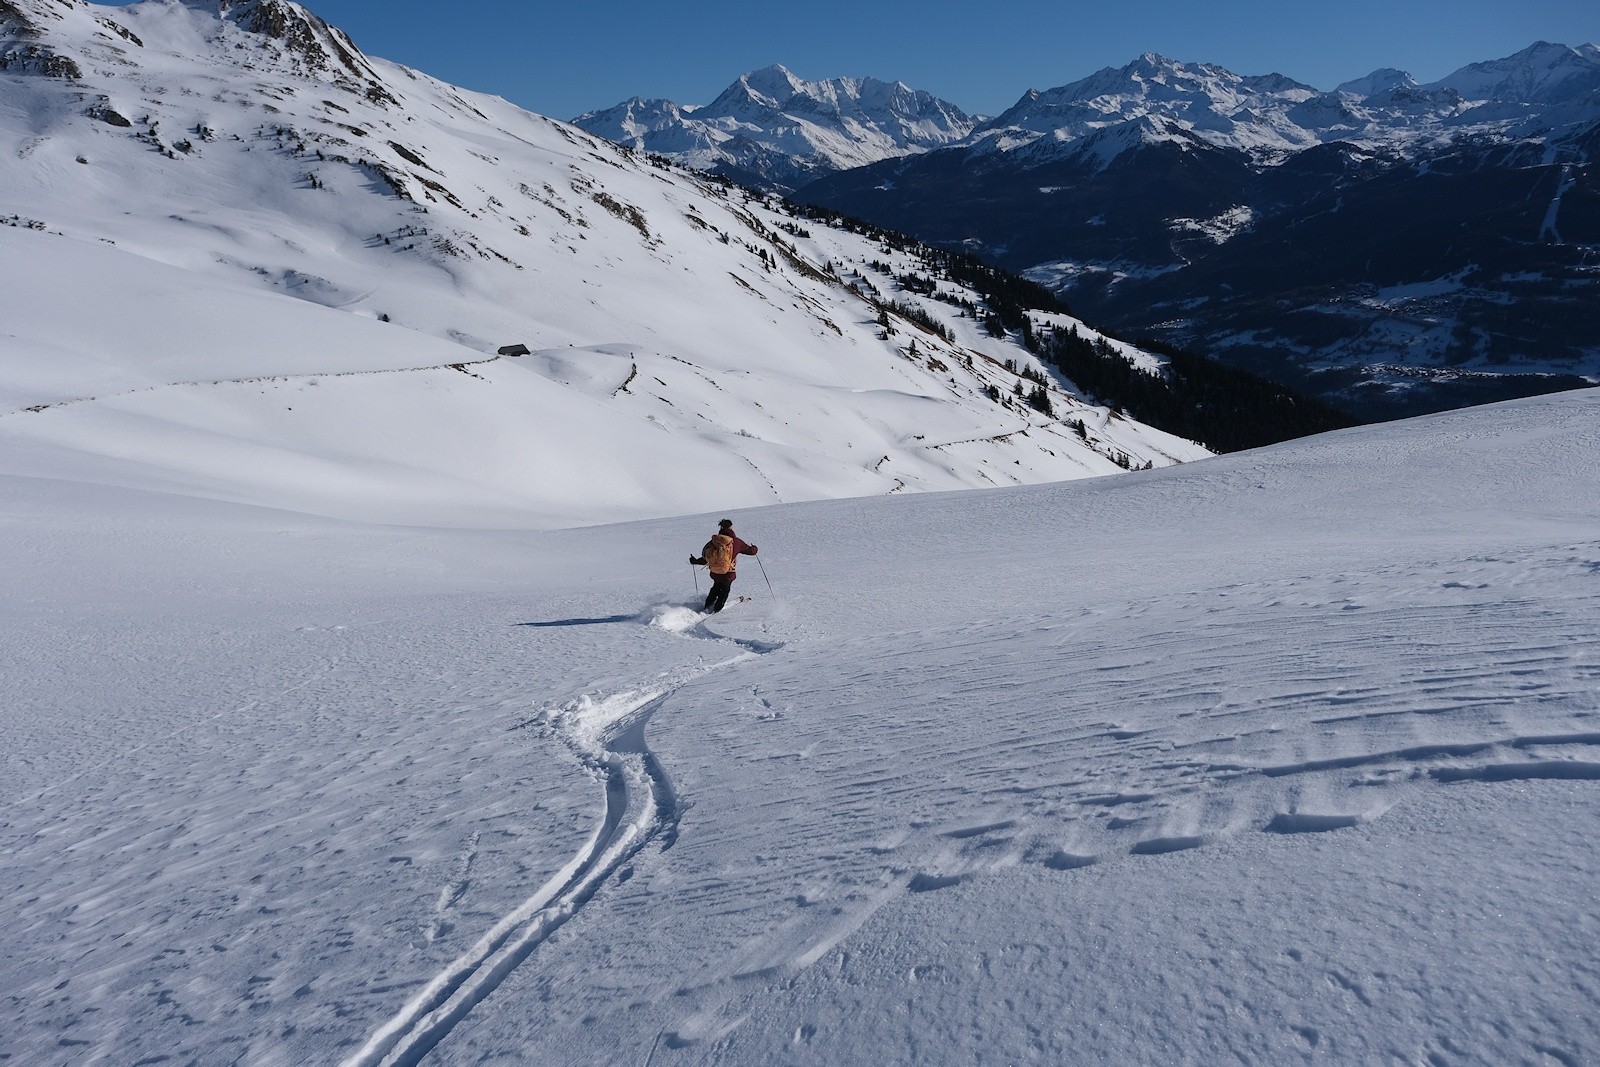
pixel 719 554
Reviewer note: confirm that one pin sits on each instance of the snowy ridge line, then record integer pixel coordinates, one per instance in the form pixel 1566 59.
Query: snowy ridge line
pixel 607 735
pixel 256 379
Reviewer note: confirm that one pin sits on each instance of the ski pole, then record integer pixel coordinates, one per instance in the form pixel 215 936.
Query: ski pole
pixel 696 579
pixel 763 567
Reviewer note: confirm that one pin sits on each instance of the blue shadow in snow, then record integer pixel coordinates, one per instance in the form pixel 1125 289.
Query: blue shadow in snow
pixel 581 622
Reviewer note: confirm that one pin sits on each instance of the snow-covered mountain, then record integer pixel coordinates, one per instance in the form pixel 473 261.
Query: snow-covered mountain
pixel 1390 245
pixel 773 130
pixel 226 224
pixel 1160 97
pixel 1543 89
pixel 1542 73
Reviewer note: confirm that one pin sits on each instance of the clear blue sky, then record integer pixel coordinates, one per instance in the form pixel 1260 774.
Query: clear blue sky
pixel 563 58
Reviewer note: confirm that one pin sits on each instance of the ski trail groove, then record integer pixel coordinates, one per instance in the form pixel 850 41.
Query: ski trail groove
pixel 608 736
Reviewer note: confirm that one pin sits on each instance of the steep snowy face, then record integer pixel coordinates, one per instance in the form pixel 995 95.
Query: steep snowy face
pixel 300 37
pixel 1542 73
pixel 1161 99
pixel 774 129
pixel 221 222
pixel 62 38
pixel 27 43
pixel 634 119
pixel 909 117
pixel 1379 81
pixel 1197 95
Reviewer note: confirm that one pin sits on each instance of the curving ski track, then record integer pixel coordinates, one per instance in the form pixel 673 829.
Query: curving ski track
pixel 608 736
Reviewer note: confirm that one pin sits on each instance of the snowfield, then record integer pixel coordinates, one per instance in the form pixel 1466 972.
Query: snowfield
pixel 356 707
pixel 1281 756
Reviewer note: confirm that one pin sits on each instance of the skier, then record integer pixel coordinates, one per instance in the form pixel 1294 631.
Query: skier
pixel 721 555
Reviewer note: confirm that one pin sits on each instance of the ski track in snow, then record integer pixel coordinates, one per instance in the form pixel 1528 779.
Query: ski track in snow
pixel 1297 727
pixel 607 735
pixel 1203 729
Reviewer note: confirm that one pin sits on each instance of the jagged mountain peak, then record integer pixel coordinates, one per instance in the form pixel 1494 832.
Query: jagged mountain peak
pixel 1153 74
pixel 1542 73
pixel 633 119
pixel 1382 80
pixel 1155 68
pixel 315 45
pixel 1271 117
pixel 26 12
pixel 1152 83
pixel 774 128
pixel 31 37
pixel 773 84
pixel 1161 98
pixel 779 89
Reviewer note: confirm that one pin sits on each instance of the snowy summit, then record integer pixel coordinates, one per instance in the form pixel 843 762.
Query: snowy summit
pixel 1544 88
pixel 772 129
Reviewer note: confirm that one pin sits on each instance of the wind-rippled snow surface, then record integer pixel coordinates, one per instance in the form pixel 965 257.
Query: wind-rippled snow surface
pixel 1282 756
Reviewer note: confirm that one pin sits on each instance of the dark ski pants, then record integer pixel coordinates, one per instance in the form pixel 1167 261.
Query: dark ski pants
pixel 721 585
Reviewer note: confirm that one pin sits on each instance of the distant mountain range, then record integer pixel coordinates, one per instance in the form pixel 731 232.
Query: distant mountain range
pixel 775 131
pixel 1392 246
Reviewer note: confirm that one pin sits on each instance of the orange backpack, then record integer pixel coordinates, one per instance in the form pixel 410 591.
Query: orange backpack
pixel 719 554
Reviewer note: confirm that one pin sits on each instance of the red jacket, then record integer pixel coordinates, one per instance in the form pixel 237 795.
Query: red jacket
pixel 739 548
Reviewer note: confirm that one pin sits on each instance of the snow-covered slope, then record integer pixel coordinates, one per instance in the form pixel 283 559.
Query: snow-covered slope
pixel 772 129
pixel 1276 756
pixel 228 226
pixel 1541 73
pixel 1283 756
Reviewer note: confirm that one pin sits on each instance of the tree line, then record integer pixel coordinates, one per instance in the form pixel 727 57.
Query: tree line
pixel 1222 407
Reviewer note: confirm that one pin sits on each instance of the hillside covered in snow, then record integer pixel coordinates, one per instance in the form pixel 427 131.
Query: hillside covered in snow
pixel 226 223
